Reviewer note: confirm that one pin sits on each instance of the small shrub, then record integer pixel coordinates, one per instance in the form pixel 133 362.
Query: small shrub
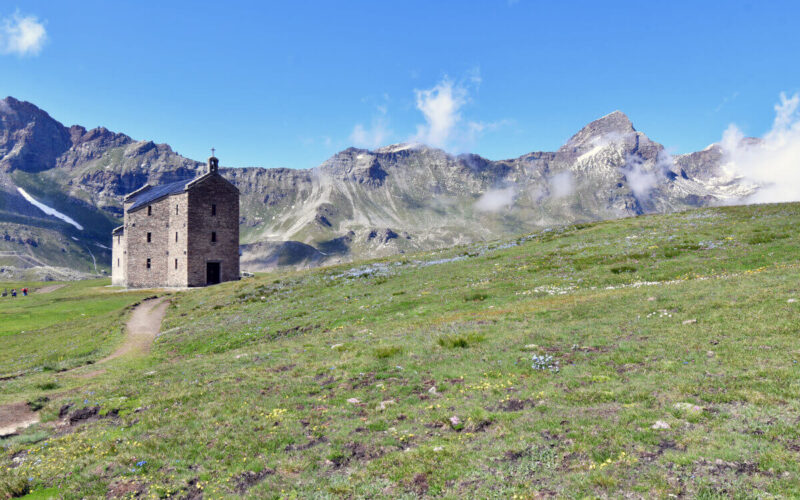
pixel 383 352
pixel 765 238
pixel 378 426
pixel 461 341
pixel 47 386
pixel 476 297
pixel 623 269
pixel 338 457
pixel 671 253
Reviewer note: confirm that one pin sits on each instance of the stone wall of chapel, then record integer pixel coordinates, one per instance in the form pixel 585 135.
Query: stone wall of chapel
pixel 178 238
pixel 155 220
pixel 118 260
pixel 225 223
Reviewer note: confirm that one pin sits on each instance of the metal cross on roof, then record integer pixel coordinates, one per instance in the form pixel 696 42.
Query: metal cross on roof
pixel 212 151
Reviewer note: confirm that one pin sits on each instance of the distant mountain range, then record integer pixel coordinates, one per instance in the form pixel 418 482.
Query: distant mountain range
pixel 357 204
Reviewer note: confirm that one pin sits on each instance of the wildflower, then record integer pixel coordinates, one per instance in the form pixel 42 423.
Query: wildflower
pixel 544 362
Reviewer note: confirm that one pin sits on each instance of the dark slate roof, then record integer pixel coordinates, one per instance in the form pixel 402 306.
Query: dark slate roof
pixel 157 192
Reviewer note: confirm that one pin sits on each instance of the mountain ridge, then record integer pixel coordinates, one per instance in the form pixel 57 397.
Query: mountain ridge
pixel 358 203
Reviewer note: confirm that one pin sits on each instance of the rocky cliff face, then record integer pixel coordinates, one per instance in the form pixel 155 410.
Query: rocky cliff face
pixel 359 203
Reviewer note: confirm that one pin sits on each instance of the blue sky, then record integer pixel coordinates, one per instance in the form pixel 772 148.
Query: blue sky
pixel 287 84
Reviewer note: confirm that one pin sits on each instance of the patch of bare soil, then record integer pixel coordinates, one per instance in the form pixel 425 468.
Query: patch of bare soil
pixel 420 483
pixel 142 328
pixel 192 492
pixel 248 479
pixel 126 489
pixel 49 288
pixel 14 417
pixel 514 404
pixel 305 446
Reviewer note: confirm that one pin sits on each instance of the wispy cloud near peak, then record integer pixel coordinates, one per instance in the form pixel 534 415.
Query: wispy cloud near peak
pixel 22 35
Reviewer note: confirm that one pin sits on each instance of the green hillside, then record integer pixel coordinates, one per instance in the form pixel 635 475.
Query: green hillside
pixel 665 351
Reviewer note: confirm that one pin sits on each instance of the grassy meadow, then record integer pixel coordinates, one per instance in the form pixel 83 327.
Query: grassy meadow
pixel 651 357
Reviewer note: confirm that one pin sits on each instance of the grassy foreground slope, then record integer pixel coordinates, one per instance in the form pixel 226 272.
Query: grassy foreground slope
pixel 667 348
pixel 45 334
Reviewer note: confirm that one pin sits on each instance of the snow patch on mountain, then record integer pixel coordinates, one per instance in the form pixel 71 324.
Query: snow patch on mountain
pixel 48 210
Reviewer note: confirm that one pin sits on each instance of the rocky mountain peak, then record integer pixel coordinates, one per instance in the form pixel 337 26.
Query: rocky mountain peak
pixel 9 106
pixel 395 148
pixel 612 125
pixel 30 139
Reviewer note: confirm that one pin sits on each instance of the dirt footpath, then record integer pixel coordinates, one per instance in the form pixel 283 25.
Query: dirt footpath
pixel 142 328
pixel 49 288
pixel 15 416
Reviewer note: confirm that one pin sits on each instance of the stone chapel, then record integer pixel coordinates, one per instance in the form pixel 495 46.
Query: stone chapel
pixel 181 234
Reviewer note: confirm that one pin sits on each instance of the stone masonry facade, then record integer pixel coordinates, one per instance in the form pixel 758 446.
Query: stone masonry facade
pixel 179 235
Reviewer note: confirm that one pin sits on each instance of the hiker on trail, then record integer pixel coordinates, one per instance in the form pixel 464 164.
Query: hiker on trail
pixel 13 293
pixel 5 292
pixel 25 292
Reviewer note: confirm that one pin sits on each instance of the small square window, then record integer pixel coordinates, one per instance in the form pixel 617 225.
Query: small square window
pixel 213 209
pixel 213 236
pixel 149 210
pixel 148 263
pixel 149 237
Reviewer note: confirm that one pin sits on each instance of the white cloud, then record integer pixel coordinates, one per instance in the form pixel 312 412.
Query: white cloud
pixel 5 108
pixel 21 36
pixel 378 133
pixel 495 200
pixel 640 180
pixel 441 108
pixel 373 137
pixel 773 162
pixel 562 185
